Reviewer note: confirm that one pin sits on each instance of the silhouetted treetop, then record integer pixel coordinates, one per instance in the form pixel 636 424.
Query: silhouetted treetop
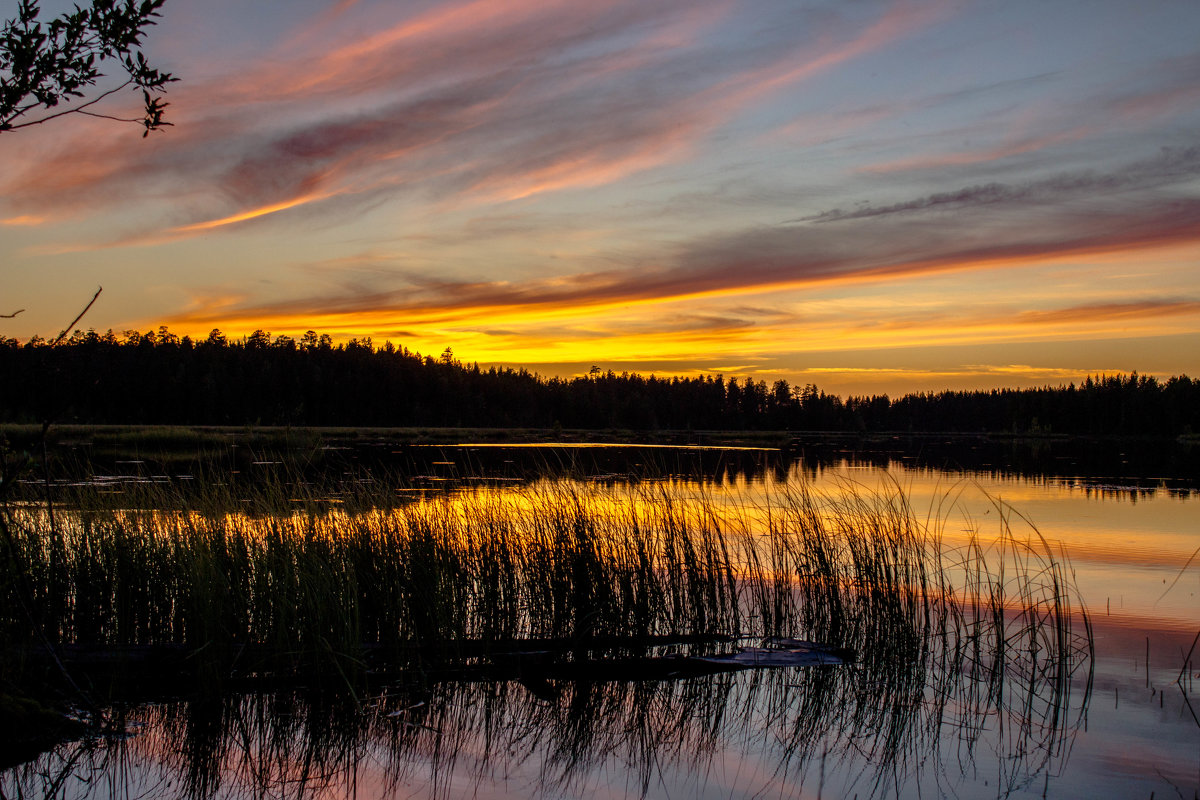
pixel 158 377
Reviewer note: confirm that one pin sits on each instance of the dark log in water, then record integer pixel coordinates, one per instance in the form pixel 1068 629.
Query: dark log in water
pixel 172 668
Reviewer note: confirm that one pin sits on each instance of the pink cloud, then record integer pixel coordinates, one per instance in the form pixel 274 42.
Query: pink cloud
pixel 465 102
pixel 1006 150
pixel 758 260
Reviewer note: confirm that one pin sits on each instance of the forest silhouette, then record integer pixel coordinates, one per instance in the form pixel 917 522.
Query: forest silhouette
pixel 159 377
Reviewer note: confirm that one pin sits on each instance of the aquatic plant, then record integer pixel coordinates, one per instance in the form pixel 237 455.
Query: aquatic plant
pixel 555 560
pixel 287 584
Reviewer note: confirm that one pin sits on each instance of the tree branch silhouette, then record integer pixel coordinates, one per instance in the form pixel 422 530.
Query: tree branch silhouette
pixel 71 325
pixel 43 65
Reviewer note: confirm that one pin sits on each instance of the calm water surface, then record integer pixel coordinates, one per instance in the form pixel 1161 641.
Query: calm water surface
pixel 1124 721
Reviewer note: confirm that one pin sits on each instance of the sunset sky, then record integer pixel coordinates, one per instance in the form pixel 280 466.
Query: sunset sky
pixel 869 196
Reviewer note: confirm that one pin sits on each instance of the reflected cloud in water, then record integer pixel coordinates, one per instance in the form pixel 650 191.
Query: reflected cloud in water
pixel 1005 692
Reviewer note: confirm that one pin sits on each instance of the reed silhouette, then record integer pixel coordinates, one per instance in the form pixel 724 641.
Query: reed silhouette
pixel 367 630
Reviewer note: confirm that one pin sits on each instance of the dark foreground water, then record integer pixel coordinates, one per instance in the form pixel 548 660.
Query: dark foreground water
pixel 1118 718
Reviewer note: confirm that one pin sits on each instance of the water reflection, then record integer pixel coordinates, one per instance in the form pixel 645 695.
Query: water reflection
pixel 1120 468
pixel 974 666
pixel 978 708
pixel 932 723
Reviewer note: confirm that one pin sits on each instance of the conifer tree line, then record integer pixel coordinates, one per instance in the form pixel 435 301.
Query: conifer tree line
pixel 160 378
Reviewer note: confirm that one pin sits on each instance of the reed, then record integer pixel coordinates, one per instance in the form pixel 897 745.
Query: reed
pixel 948 640
pixel 310 583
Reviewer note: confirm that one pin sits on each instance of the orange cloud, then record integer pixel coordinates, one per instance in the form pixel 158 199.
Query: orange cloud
pixel 1106 312
pixel 253 213
pixel 676 331
pixel 23 220
pixel 784 258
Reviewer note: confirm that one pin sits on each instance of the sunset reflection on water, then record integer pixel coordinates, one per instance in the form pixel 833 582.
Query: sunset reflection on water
pixel 1119 721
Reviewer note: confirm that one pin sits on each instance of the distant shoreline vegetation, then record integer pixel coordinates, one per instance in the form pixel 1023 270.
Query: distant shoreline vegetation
pixel 161 378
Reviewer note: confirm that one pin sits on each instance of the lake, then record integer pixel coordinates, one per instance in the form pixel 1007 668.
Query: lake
pixel 1102 706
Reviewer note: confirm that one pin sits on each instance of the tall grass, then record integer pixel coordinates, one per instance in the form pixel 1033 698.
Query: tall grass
pixel 949 641
pixel 547 563
pixel 577 564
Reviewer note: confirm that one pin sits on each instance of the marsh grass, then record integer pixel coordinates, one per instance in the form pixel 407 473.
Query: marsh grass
pixel 961 648
pixel 313 584
pixel 312 581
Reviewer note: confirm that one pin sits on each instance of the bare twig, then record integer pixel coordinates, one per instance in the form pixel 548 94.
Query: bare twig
pixel 13 314
pixel 107 116
pixel 25 595
pixel 75 110
pixel 48 421
pixel 71 325
pixel 1178 576
pixel 1183 669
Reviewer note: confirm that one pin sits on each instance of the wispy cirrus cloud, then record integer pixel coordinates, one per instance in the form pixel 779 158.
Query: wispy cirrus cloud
pixel 1013 147
pixel 1171 166
pixel 1157 94
pixel 1056 218
pixel 472 102
pixel 1110 312
pixel 1172 87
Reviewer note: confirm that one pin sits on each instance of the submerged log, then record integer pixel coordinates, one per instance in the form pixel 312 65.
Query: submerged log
pixel 171 668
pixel 781 652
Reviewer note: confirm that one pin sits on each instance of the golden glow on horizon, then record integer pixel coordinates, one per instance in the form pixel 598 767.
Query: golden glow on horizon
pixel 667 354
pixel 593 299
pixel 657 331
